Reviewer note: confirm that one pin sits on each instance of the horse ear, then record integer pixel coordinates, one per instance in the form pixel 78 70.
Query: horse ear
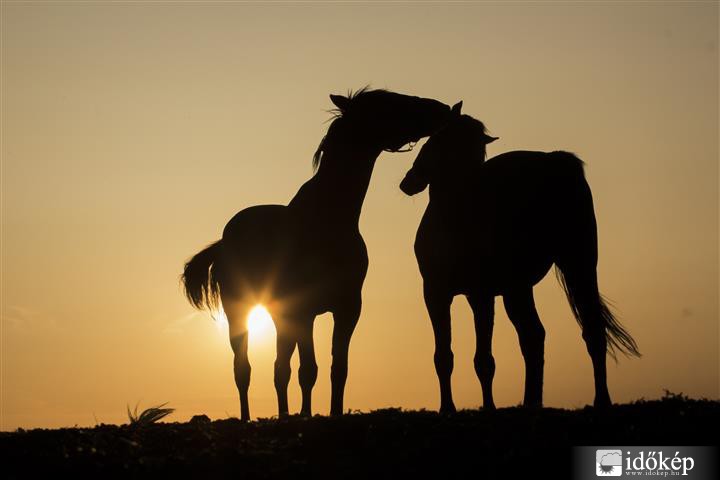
pixel 340 102
pixel 489 139
pixel 457 108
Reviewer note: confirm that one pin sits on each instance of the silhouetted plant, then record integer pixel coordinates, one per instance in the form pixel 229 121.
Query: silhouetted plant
pixel 149 415
pixel 672 396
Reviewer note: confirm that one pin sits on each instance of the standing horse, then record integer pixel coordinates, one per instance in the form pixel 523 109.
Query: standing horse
pixel 308 258
pixel 495 228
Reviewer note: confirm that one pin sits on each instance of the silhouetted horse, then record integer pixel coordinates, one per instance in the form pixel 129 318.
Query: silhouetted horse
pixel 495 228
pixel 308 257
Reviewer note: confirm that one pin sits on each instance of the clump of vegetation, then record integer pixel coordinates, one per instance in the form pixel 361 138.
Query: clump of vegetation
pixel 149 415
pixel 678 397
pixel 505 443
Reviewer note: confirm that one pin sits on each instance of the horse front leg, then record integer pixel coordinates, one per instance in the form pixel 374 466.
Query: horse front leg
pixel 236 312
pixel 438 307
pixel 286 342
pixel 308 371
pixel 483 307
pixel 520 307
pixel 345 317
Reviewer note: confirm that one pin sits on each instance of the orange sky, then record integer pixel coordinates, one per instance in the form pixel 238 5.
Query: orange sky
pixel 131 133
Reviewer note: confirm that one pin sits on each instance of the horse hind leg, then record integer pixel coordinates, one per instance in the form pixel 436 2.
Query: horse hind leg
pixel 520 308
pixel 236 312
pixel 484 312
pixel 582 291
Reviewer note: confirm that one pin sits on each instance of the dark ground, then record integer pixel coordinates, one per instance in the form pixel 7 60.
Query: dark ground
pixel 508 443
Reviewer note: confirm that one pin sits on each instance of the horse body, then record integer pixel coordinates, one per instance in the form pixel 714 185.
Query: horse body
pixel 308 257
pixel 505 222
pixel 495 228
pixel 278 256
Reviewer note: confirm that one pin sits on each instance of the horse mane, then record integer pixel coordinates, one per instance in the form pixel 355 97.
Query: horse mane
pixel 465 128
pixel 336 115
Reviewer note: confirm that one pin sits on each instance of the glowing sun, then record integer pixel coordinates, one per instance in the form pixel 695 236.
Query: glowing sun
pixel 259 323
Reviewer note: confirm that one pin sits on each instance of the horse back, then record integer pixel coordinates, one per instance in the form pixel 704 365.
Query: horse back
pixel 508 224
pixel 535 200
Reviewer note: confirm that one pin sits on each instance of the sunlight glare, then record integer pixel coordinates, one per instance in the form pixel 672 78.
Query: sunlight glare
pixel 221 322
pixel 259 323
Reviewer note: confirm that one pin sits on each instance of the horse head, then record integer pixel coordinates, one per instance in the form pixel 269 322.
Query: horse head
pixel 460 144
pixel 380 120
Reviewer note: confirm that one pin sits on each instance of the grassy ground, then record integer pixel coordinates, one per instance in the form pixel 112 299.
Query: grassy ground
pixel 507 443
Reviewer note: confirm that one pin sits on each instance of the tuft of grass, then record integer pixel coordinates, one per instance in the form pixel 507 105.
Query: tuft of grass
pixel 679 397
pixel 149 415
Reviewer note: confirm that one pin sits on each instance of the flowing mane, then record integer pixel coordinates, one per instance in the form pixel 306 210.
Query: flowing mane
pixel 337 114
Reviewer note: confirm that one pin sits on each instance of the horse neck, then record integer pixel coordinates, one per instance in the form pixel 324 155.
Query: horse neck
pixel 454 192
pixel 337 191
pixel 456 201
pixel 461 186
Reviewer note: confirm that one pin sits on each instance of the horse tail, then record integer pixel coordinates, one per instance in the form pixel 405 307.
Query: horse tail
pixel 576 268
pixel 200 278
pixel 591 311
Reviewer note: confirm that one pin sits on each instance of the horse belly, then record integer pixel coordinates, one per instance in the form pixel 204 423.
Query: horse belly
pixel 507 267
pixel 329 272
pixel 488 259
pixel 276 257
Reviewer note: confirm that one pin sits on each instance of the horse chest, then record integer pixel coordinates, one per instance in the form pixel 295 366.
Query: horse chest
pixel 463 253
pixel 441 248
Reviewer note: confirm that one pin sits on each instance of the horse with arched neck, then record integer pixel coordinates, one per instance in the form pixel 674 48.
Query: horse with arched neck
pixel 494 228
pixel 308 258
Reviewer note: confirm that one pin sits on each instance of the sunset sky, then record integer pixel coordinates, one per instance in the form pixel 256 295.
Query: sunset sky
pixel 132 132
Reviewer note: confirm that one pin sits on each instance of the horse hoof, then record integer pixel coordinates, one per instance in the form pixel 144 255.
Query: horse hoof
pixel 447 410
pixel 602 404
